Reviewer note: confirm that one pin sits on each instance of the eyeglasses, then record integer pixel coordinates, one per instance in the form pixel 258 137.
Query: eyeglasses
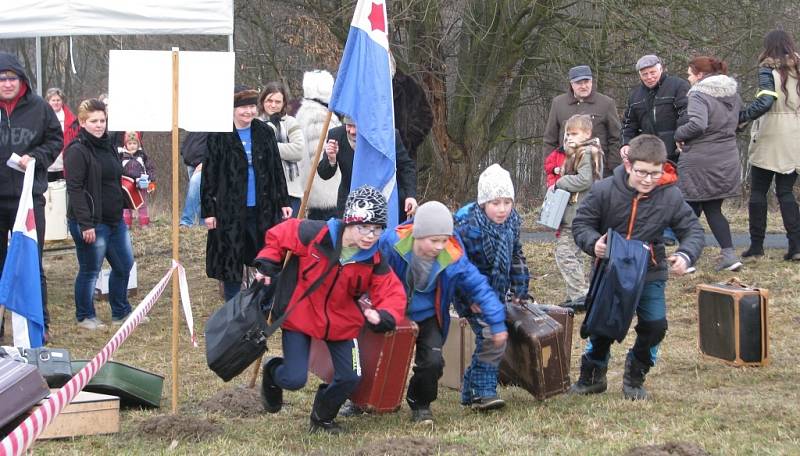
pixel 642 174
pixel 9 78
pixel 367 230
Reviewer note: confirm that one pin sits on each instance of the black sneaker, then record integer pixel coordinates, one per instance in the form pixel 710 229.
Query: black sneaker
pixel 422 415
pixel 327 427
pixel 484 404
pixel 271 394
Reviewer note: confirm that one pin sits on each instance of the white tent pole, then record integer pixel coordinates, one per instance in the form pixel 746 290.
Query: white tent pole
pixel 39 65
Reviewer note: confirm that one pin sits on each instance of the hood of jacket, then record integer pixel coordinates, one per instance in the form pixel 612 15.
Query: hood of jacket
pixel 9 61
pixel 717 86
pixel 404 243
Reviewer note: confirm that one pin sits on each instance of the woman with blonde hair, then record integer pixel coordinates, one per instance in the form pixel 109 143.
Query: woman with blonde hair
pixel 95 217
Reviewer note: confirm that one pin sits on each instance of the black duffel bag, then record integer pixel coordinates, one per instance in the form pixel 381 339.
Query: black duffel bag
pixel 236 334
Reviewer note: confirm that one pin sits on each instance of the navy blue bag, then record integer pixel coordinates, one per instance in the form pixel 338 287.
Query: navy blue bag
pixel 615 289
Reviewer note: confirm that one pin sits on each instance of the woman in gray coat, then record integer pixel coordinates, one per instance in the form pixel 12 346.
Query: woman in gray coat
pixel 709 166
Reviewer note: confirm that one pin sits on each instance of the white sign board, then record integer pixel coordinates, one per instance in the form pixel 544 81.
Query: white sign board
pixel 140 91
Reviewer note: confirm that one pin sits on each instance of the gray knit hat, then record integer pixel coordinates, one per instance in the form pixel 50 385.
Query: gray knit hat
pixel 495 182
pixel 432 219
pixel 365 205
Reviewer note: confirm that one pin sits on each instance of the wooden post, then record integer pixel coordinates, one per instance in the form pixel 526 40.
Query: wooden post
pixel 301 213
pixel 175 242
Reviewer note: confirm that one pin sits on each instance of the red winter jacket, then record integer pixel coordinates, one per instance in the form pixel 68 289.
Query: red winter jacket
pixel 331 311
pixel 554 160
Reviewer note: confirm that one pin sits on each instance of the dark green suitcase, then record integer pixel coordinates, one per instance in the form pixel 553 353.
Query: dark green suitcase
pixel 133 386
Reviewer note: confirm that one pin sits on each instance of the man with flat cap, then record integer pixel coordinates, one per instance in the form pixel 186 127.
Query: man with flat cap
pixel 582 98
pixel 655 105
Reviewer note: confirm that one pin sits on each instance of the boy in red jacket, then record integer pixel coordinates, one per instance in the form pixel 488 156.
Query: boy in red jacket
pixel 554 165
pixel 336 262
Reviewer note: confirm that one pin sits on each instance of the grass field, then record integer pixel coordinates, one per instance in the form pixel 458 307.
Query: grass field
pixel 710 406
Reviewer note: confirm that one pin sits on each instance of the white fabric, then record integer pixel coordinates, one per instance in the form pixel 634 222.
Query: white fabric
pixel 31 18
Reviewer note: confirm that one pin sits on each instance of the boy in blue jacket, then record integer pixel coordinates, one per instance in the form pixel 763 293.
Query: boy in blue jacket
pixel 489 230
pixel 430 261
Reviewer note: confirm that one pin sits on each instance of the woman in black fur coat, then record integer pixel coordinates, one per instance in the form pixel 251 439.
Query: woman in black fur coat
pixel 243 192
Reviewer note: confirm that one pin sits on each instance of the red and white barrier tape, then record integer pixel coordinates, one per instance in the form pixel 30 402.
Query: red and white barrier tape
pixel 23 436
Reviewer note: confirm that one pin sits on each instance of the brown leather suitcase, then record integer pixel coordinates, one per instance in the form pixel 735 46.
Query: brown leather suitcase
pixel 566 317
pixel 385 361
pixel 732 323
pixel 21 387
pixel 536 355
pixel 457 352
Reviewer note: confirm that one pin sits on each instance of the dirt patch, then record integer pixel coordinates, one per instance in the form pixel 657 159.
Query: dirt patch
pixel 236 402
pixel 179 427
pixel 411 447
pixel 668 449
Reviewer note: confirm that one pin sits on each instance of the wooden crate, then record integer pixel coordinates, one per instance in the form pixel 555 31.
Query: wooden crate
pixel 87 414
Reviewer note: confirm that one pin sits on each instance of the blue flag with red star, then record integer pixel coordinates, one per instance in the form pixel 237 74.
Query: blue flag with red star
pixel 363 91
pixel 20 288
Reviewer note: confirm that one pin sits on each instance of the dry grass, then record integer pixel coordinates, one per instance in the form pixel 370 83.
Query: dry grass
pixel 721 409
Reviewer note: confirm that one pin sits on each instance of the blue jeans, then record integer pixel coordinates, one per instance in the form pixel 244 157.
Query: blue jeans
pixel 191 207
pixel 293 373
pixel 294 203
pixel 113 244
pixel 651 314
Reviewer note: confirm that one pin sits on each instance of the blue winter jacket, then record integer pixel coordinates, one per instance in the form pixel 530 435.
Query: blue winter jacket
pixel 453 271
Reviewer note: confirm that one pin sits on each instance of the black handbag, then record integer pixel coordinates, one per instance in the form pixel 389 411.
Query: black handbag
pixel 236 334
pixel 53 363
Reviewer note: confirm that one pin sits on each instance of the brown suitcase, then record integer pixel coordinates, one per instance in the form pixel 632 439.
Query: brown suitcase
pixel 535 357
pixel 457 352
pixel 733 323
pixel 385 361
pixel 21 387
pixel 566 317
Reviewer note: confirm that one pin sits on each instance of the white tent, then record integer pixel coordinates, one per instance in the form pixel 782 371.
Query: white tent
pixel 34 18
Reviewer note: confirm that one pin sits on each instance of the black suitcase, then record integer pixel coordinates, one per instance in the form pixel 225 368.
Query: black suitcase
pixel 535 357
pixel 21 387
pixel 236 334
pixel 733 323
pixel 53 363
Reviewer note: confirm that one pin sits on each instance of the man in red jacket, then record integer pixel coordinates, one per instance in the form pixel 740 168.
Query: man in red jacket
pixel 336 262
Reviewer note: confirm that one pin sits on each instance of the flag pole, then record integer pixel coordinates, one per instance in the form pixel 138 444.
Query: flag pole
pixel 175 242
pixel 301 213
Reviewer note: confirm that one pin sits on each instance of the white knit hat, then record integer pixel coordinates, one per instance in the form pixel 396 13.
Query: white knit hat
pixel 495 182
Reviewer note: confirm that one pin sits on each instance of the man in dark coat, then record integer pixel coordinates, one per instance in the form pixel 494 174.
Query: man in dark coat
pixel 654 106
pixel 582 98
pixel 339 153
pixel 412 112
pixel 29 128
pixel 242 192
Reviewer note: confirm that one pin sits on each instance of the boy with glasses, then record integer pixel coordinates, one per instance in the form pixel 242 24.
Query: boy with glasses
pixel 639 201
pixel 430 260
pixel 335 263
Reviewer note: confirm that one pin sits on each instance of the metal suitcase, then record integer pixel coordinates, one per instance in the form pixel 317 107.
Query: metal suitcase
pixel 385 361
pixel 134 387
pixel 555 203
pixel 21 387
pixel 53 363
pixel 733 323
pixel 535 357
pixel 457 352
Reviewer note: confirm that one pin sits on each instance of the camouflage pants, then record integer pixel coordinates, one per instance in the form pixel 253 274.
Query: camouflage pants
pixel 569 259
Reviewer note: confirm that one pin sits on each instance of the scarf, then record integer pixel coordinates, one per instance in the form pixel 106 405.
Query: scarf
pixel 282 136
pixel 497 242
